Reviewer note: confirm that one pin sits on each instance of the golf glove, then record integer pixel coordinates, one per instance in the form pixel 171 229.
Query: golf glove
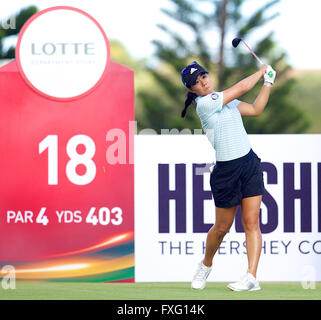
pixel 269 75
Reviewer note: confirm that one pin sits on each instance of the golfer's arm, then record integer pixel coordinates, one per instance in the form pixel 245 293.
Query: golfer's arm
pixel 242 87
pixel 255 109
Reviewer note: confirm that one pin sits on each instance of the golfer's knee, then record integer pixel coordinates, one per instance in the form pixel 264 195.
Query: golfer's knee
pixel 221 229
pixel 251 224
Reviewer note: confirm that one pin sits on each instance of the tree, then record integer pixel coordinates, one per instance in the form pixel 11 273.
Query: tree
pixel 162 108
pixel 143 78
pixel 11 27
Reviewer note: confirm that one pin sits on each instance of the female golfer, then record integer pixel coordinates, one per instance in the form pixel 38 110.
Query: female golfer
pixel 237 178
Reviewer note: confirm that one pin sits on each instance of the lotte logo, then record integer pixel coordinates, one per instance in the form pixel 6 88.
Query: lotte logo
pixel 65 62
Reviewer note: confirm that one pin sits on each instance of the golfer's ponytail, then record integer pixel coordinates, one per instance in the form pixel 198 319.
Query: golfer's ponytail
pixel 190 97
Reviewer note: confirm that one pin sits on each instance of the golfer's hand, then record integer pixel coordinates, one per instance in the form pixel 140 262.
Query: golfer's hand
pixel 263 70
pixel 269 75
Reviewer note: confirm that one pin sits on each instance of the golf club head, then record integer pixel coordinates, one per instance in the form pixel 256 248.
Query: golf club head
pixel 236 42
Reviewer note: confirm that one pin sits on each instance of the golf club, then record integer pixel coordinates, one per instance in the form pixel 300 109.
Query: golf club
pixel 236 42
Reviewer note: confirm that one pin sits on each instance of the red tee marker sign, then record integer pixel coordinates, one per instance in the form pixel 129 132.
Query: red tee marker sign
pixel 67 176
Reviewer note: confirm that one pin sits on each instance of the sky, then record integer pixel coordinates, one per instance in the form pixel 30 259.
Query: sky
pixel 134 23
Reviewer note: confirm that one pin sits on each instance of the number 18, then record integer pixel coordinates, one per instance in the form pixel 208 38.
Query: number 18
pixel 51 143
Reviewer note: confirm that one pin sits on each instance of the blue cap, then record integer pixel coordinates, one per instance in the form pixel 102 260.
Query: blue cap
pixel 190 73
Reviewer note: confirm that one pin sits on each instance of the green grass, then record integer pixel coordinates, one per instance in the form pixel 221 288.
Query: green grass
pixel 28 290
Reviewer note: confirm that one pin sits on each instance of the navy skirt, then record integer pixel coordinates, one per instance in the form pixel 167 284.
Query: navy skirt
pixel 233 180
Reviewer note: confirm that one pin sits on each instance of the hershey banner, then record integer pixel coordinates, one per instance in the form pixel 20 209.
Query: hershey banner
pixel 174 209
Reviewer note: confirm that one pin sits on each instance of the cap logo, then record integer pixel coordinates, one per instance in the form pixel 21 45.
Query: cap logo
pixel 193 70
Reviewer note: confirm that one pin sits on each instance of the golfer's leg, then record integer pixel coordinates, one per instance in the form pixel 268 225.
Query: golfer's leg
pixel 250 219
pixel 223 221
